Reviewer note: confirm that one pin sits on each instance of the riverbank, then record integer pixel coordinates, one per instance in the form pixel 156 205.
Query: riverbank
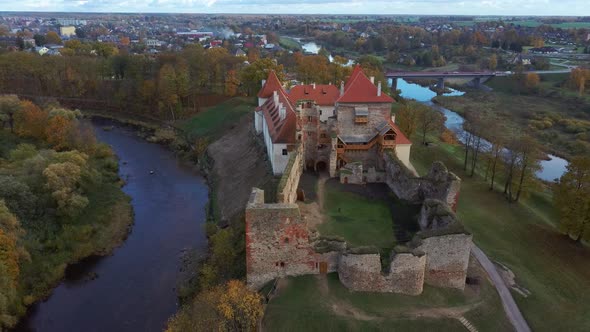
pixel 53 240
pixel 560 124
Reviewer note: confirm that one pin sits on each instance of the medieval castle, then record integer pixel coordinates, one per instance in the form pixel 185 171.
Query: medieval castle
pixel 348 131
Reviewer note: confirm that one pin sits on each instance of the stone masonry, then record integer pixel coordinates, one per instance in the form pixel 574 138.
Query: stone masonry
pixel 362 272
pixel 280 243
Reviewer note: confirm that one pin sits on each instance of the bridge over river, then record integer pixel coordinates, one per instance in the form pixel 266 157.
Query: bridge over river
pixel 476 76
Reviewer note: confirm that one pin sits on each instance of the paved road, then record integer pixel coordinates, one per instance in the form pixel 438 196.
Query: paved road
pixel 510 307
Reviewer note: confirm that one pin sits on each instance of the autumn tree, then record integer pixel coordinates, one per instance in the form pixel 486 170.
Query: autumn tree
pixel 313 69
pixel 58 131
pixel 493 62
pixel 30 121
pixel 52 38
pixel 167 90
pixel 9 106
pixel 572 199
pixel 531 81
pixel 252 75
pixel 231 83
pixel 578 78
pixel 406 118
pixel 63 181
pixel 429 121
pixel 228 307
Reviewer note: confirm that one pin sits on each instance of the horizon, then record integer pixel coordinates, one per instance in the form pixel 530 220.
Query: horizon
pixel 502 8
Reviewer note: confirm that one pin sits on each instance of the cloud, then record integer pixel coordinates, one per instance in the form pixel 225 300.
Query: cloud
pixel 425 7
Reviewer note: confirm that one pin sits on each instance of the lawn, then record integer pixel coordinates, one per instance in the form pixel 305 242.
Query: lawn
pixel 215 120
pixel 361 221
pixel 307 304
pixel 522 237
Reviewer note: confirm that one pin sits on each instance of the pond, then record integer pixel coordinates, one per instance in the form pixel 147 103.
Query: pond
pixel 552 169
pixel 134 289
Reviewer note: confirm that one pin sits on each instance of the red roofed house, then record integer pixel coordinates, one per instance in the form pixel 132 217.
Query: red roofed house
pixel 335 126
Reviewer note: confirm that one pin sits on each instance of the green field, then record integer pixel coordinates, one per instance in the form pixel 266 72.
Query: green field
pixel 359 220
pixel 215 120
pixel 311 303
pixel 289 43
pixel 523 237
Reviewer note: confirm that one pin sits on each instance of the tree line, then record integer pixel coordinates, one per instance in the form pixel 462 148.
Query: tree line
pixel 56 182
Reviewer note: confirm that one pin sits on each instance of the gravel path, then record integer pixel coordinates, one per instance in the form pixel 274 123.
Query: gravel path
pixel 510 307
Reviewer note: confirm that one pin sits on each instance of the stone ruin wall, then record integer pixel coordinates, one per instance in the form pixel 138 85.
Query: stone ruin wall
pixel 447 257
pixel 279 242
pixel 287 191
pixel 363 272
pixel 439 183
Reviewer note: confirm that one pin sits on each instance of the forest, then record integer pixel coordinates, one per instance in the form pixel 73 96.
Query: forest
pixel 61 200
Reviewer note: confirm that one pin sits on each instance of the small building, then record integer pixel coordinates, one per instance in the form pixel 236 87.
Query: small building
pixel 67 31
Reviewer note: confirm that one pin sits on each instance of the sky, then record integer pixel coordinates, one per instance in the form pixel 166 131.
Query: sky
pixel 423 7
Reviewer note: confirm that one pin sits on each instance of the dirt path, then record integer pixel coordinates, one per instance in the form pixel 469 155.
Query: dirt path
pixel 510 307
pixel 322 190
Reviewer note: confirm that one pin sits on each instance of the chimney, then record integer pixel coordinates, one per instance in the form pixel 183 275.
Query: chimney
pixel 379 89
pixel 275 97
pixel 263 83
pixel 372 79
pixel 341 88
pixel 313 86
pixel 393 118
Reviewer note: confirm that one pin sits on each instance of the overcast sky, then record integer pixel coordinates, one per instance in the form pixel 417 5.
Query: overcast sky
pixel 425 7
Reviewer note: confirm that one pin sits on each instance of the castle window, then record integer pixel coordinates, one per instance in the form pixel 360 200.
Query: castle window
pixel 284 152
pixel 276 263
pixel 299 137
pixel 316 265
pixel 282 264
pixel 286 240
pixel 309 118
pixel 320 112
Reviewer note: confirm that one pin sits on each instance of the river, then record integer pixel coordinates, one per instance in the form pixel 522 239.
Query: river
pixel 551 169
pixel 134 289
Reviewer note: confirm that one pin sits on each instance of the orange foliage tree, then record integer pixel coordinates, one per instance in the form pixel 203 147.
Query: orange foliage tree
pixel 58 132
pixel 30 121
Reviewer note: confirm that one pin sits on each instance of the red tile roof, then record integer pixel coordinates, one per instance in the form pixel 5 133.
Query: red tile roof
pixel 400 138
pixel 323 95
pixel 359 89
pixel 280 130
pixel 272 84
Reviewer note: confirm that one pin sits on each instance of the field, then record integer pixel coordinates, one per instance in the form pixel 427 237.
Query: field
pixel 215 120
pixel 529 23
pixel 322 303
pixel 289 43
pixel 523 237
pixel 556 116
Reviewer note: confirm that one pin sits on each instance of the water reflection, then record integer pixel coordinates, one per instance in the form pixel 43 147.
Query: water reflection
pixel 551 169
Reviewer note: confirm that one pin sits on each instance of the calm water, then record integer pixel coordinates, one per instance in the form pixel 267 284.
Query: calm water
pixel 551 169
pixel 134 289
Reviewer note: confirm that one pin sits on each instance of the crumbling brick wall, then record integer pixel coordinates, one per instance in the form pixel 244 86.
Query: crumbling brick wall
pixel 363 272
pixel 279 242
pixel 447 257
pixel 287 188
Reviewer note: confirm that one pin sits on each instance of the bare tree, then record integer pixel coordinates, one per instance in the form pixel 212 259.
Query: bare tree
pixel 429 120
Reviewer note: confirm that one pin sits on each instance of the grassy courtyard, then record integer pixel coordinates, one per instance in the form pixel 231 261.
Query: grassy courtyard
pixel 523 237
pixel 360 220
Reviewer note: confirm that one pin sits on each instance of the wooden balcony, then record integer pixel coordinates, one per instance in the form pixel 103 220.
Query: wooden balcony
pixel 361 120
